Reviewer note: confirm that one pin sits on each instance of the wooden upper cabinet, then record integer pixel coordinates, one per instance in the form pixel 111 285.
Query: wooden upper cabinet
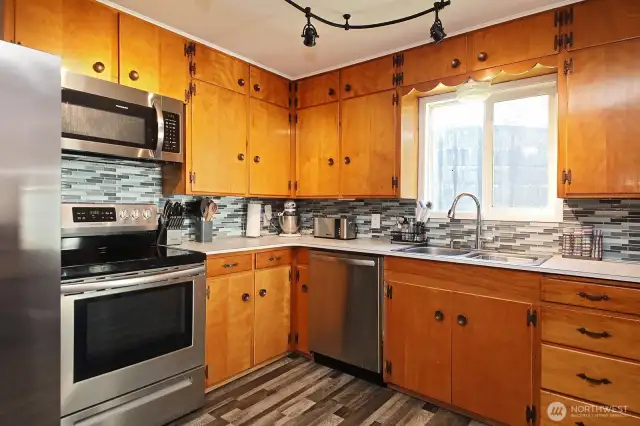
pixel 318 90
pixel 435 61
pixel 229 330
pixel 269 149
pixel 600 123
pixel 514 41
pixel 318 151
pixel 152 58
pixel 269 87
pixel 302 309
pixel 219 140
pixel 272 313
pixel 596 22
pixel 220 69
pixel 369 77
pixel 495 331
pixel 418 340
pixel 368 145
pixel 84 33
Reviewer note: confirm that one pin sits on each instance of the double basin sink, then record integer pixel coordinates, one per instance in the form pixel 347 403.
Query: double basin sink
pixel 480 255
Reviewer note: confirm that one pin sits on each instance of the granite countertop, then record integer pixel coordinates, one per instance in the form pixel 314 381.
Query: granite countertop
pixel 617 271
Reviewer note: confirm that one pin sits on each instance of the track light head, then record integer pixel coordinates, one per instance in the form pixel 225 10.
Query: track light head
pixel 309 32
pixel 437 30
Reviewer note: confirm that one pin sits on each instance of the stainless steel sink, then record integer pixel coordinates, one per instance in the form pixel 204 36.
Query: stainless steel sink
pixel 434 251
pixel 510 258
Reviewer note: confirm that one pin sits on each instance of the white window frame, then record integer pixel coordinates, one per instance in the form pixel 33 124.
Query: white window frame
pixel 545 85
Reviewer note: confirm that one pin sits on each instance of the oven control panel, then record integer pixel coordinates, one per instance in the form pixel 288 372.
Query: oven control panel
pixel 98 219
pixel 171 132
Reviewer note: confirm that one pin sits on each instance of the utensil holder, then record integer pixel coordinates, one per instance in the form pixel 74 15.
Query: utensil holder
pixel 415 234
pixel 204 231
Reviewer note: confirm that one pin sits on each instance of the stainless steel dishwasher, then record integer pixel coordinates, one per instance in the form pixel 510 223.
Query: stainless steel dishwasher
pixel 345 302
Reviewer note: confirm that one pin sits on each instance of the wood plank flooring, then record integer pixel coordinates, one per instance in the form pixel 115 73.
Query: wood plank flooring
pixel 294 391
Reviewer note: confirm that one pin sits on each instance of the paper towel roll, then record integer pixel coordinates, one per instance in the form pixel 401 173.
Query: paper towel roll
pixel 253 220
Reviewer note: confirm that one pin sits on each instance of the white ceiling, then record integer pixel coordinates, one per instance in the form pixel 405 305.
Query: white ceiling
pixel 267 32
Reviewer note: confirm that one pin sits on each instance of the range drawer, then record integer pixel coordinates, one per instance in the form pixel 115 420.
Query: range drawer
pixel 581 413
pixel 229 264
pixel 595 378
pixel 597 332
pixel 270 259
pixel 590 295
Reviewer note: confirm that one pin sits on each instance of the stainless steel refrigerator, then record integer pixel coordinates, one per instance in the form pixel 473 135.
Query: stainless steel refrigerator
pixel 29 237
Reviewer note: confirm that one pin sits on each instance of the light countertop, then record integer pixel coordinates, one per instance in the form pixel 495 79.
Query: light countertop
pixel 617 271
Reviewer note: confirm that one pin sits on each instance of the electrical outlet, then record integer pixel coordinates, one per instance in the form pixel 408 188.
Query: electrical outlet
pixel 375 221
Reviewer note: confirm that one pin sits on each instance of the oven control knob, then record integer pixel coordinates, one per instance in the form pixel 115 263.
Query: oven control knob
pixel 124 214
pixel 135 214
pixel 146 214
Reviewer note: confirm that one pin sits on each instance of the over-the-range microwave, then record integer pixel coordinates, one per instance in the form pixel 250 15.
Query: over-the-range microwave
pixel 105 118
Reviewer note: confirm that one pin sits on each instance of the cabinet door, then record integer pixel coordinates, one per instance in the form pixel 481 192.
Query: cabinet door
pixel 269 87
pixel 219 140
pixel 229 332
pixel 84 33
pixel 368 77
pixel 152 58
pixel 601 125
pixel 220 69
pixel 318 90
pixel 368 145
pixel 269 149
pixel 318 150
pixel 597 22
pixel 435 61
pixel 514 41
pixel 491 347
pixel 418 340
pixel 302 308
pixel 272 313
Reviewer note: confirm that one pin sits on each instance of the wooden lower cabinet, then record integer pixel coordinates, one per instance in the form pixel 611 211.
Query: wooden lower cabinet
pixel 271 325
pixel 491 357
pixel 301 292
pixel 418 343
pixel 229 331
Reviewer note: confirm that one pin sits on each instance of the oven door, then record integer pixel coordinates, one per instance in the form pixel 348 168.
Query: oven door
pixel 122 334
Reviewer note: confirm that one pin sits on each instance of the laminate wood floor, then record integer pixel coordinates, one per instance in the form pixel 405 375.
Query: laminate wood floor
pixel 294 391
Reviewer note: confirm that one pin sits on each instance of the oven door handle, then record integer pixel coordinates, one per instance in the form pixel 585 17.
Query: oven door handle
pixel 158 152
pixel 133 281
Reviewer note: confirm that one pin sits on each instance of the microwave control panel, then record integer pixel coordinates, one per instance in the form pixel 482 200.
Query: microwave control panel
pixel 171 132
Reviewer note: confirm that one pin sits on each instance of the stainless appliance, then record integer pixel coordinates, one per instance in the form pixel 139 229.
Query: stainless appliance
pixel 288 219
pixel 29 236
pixel 106 118
pixel 344 228
pixel 133 319
pixel 345 300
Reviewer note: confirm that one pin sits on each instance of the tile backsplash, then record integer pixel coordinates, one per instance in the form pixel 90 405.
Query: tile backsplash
pixel 89 179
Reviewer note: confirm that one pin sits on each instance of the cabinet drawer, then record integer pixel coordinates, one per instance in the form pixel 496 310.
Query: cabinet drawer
pixel 269 87
pixel 582 413
pixel 589 295
pixel 595 378
pixel 269 259
pixel 222 265
pixel 318 90
pixel 597 332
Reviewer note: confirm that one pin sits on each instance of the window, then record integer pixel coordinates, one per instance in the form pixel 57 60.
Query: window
pixel 503 150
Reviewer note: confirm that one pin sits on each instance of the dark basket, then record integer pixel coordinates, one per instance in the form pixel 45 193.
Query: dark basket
pixel 416 234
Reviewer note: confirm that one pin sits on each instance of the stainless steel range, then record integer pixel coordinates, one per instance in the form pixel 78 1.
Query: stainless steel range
pixel 132 317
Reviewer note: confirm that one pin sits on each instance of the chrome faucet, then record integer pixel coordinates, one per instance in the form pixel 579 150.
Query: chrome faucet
pixel 452 215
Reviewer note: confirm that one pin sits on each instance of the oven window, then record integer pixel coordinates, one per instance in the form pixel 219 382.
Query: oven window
pixel 115 331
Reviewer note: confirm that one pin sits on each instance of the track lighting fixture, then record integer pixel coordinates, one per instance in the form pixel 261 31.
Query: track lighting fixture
pixel 310 34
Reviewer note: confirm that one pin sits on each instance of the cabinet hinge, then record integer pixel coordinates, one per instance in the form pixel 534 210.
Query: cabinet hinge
pixel 531 414
pixel 192 68
pixel 293 118
pixel 295 87
pixel 192 89
pixel 566 177
pixel 388 292
pixel 289 185
pixel 567 17
pixel 206 371
pixel 190 49
pixel 208 292
pixel 398 59
pixel 388 367
pixel 568 66
pixel 394 99
pixel 532 317
pixel 187 96
pixel 566 40
pixel 394 182
pixel 297 275
pixel 398 79
pixel 556 19
pixel 192 177
pixel 295 338
pixel 295 185
pixel 289 274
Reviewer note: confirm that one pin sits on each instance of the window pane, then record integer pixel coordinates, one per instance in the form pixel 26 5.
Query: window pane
pixel 521 153
pixel 456 133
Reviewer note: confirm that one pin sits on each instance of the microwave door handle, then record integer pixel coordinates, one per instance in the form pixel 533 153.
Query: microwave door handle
pixel 158 153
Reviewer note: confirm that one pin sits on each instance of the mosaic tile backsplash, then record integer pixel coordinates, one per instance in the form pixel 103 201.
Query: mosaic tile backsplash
pixel 89 179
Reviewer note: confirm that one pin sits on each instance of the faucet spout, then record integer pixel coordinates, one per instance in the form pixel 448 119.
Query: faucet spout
pixel 452 215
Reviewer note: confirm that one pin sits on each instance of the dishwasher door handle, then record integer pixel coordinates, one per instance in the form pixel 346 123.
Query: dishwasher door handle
pixel 356 262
